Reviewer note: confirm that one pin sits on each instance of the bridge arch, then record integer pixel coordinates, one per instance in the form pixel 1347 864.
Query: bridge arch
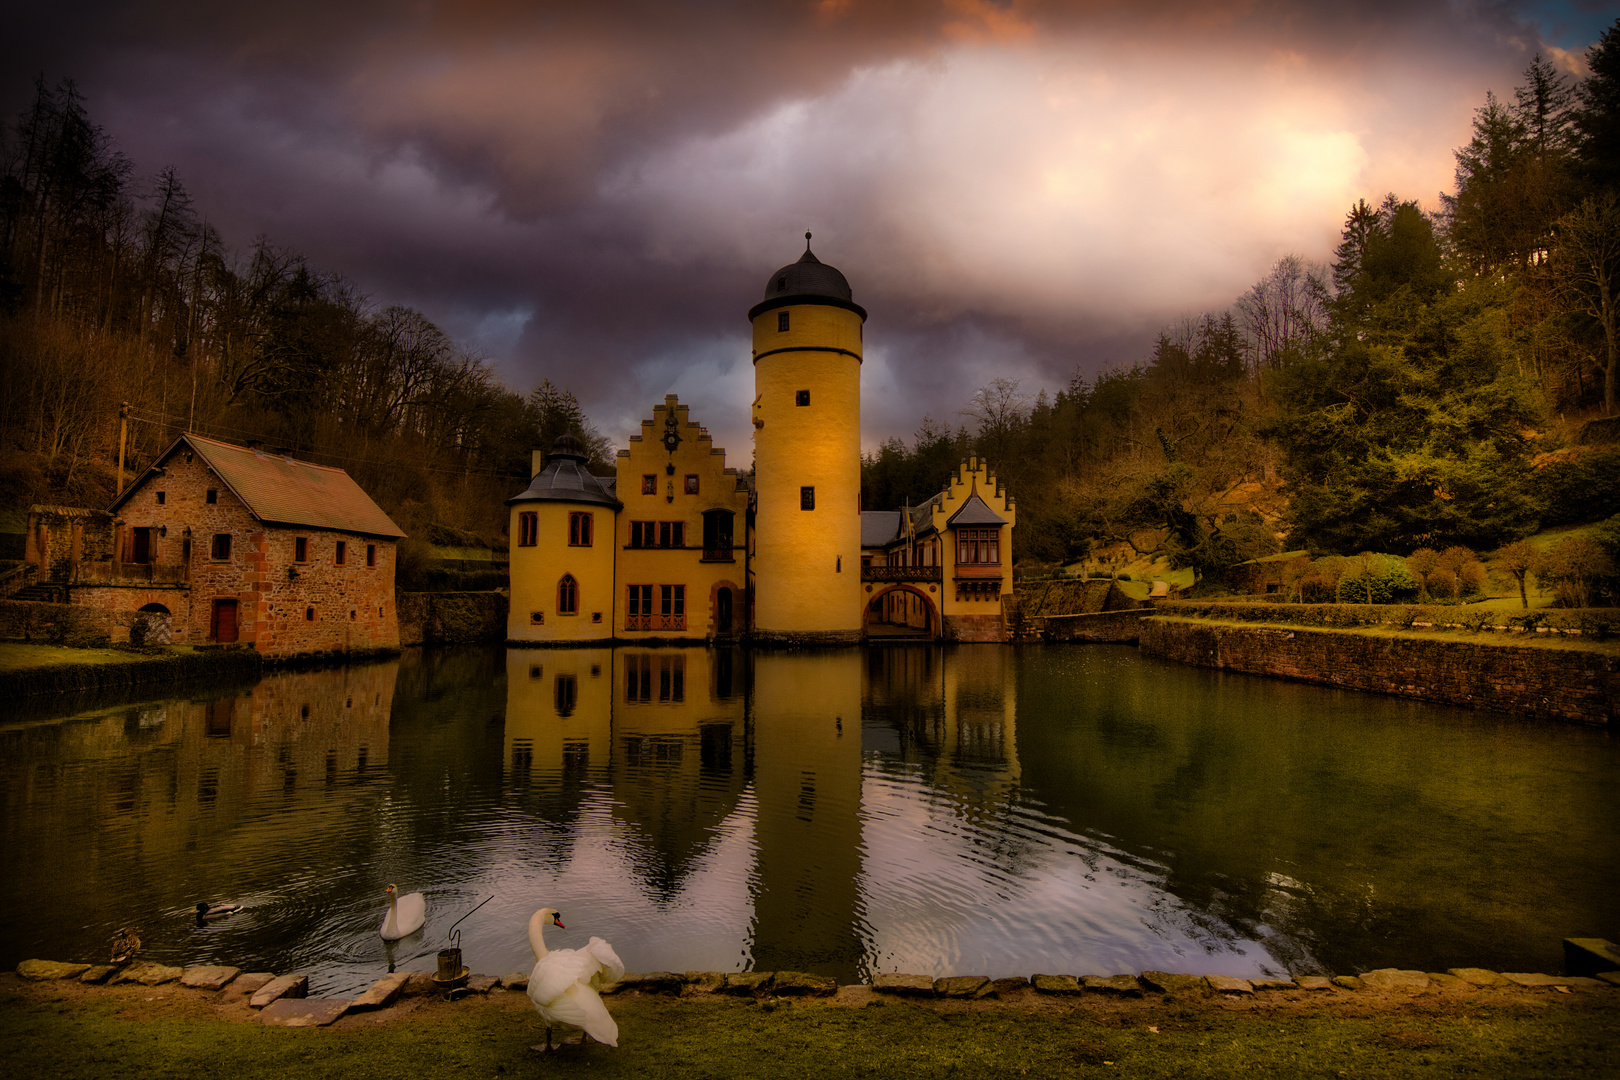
pixel 916 616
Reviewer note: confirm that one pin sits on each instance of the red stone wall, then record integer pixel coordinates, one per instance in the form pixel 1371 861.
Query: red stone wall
pixel 1561 684
pixel 321 607
pixel 974 628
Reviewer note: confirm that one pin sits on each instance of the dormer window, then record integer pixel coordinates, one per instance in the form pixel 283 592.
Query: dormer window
pixel 781 286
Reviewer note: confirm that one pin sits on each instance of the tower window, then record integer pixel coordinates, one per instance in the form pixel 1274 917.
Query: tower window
pixel 579 530
pixel 781 320
pixel 567 596
pixel 807 498
pixel 781 284
pixel 801 397
pixel 528 529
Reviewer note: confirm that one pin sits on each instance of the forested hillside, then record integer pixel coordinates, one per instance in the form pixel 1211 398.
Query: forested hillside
pixel 1430 389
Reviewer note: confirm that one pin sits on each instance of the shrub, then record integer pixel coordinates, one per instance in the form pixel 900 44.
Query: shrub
pixel 1376 579
pixel 1458 574
pixel 1576 566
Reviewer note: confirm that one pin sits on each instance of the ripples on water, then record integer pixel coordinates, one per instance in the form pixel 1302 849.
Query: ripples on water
pixel 936 811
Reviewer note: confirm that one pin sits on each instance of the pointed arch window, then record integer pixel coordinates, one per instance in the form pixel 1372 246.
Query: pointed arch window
pixel 568 596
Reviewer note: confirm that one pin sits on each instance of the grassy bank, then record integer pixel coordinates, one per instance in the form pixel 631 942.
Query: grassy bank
pixel 142 1032
pixel 27 669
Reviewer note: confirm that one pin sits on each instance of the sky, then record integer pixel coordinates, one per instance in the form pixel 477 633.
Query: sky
pixel 597 193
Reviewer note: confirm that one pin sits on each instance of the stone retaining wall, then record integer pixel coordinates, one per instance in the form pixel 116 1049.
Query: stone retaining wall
pixel 451 618
pixel 1123 627
pixel 1554 684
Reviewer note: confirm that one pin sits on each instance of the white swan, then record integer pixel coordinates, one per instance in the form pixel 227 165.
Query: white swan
pixel 564 982
pixel 405 915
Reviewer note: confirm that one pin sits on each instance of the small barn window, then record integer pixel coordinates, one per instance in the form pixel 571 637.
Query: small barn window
pixel 211 496
pixel 300 549
pixel 221 548
pixel 340 552
pixel 162 497
pixel 309 614
pixel 371 554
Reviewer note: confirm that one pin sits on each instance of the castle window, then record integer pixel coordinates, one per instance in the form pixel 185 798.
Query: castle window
pixel 781 320
pixel 642 535
pixel 162 497
pixel 567 596
pixel 211 496
pixel 672 601
pixel 978 546
pixel 807 498
pixel 649 484
pixel 801 397
pixel 340 553
pixel 691 485
pixel 640 601
pixel 221 547
pixel 371 554
pixel 528 529
pixel 671 534
pixel 579 530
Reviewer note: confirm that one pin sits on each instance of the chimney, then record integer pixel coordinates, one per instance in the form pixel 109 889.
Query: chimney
pixel 537 461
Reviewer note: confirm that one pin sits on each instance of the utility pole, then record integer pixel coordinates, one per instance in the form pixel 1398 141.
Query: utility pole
pixel 123 432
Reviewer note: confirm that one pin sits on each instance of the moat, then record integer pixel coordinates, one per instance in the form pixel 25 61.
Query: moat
pixel 933 810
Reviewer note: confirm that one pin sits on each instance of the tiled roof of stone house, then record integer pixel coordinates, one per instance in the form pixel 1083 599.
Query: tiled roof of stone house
pixel 281 490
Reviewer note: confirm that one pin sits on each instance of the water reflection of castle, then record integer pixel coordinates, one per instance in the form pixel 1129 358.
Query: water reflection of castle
pixel 685 738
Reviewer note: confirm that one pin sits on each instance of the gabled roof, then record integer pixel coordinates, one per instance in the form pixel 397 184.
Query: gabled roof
pixel 280 490
pixel 879 528
pixel 975 512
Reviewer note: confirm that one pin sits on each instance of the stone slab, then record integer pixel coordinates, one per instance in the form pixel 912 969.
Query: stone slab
pixel 1010 984
pixel 303 1012
pixel 482 984
pixel 804 984
pixel 1442 981
pixel 283 986
pixel 1395 979
pixel 98 974
pixel 419 984
pixel 749 982
pixel 1590 956
pixel 1055 984
pixel 963 986
pixel 518 980
pixel 208 976
pixel 704 982
pixel 47 970
pixel 1226 984
pixel 148 974
pixel 1166 982
pixel 1478 976
pixel 1273 984
pixel 904 985
pixel 1534 979
pixel 1116 985
pixel 1347 982
pixel 1314 982
pixel 251 981
pixel 651 982
pixel 381 993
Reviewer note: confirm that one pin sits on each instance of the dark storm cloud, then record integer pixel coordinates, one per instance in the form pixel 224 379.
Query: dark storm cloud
pixel 596 193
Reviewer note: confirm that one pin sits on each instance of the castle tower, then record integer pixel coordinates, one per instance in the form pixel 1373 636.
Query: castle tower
pixel 807 455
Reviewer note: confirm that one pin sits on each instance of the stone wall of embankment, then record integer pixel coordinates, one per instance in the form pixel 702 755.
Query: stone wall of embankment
pixel 1526 680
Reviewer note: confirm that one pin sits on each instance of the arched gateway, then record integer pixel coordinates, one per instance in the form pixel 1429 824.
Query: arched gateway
pixel 902 612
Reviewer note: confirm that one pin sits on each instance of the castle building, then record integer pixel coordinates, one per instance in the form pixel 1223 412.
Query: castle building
pixel 676 546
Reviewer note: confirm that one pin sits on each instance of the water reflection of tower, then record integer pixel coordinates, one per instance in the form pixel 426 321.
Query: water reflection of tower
pixel 807 772
pixel 559 725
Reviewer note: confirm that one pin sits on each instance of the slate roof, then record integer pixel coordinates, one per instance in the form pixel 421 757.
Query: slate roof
pixel 879 528
pixel 975 512
pixel 280 490
pixel 807 281
pixel 566 479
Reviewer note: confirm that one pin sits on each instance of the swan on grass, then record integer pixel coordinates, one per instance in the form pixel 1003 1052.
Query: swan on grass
pixel 564 984
pixel 405 914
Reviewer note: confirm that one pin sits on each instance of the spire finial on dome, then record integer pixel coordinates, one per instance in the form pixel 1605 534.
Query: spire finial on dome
pixel 807 240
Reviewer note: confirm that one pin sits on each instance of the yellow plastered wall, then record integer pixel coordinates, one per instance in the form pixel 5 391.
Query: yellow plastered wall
pixel 695 455
pixel 972 476
pixel 537 570
pixel 807 562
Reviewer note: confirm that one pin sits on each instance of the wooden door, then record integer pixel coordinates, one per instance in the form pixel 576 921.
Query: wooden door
pixel 224 620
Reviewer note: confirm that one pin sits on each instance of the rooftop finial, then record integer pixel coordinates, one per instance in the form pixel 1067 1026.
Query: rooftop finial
pixel 807 240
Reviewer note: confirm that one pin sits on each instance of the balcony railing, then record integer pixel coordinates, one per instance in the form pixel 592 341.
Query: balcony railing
pixel 902 573
pixel 717 554
pixel 655 622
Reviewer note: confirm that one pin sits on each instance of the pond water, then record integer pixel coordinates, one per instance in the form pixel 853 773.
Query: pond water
pixel 933 810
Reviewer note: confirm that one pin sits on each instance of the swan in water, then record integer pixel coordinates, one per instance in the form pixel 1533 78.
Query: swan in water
pixel 207 911
pixel 405 915
pixel 564 982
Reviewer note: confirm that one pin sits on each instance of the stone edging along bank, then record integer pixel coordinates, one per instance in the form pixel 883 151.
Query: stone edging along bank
pixel 1552 684
pixel 283 1001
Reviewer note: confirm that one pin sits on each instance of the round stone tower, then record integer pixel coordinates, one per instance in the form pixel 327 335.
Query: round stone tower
pixel 807 455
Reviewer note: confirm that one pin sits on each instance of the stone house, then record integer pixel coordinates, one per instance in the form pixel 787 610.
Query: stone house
pixel 224 544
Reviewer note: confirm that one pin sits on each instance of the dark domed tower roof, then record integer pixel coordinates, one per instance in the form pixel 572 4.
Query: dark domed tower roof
pixel 565 479
pixel 808 281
